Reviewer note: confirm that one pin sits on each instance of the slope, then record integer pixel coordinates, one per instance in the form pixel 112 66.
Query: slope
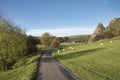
pixel 94 61
pixel 79 38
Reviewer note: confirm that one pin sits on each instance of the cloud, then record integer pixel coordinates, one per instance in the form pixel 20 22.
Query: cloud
pixel 61 32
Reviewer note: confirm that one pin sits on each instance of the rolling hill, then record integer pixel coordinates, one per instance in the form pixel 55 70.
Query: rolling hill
pixel 79 38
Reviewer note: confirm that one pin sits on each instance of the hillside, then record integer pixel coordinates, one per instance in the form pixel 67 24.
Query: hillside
pixel 79 38
pixel 97 34
pixel 114 25
pixel 102 32
pixel 95 61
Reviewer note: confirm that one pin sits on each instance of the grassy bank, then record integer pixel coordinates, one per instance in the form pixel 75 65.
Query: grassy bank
pixel 26 72
pixel 94 61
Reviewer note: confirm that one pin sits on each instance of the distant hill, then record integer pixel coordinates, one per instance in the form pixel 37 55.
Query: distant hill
pixel 102 32
pixel 79 38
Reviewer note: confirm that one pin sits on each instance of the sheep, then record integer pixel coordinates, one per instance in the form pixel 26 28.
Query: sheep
pixel 101 44
pixel 110 41
pixel 73 48
pixel 63 49
pixel 70 47
pixel 58 51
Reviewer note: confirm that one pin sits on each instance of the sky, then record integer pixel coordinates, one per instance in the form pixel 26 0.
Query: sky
pixel 60 17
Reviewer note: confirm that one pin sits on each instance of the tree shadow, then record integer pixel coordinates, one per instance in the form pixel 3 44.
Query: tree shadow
pixel 78 53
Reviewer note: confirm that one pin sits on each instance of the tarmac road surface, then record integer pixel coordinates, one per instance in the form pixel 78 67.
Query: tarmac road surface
pixel 49 69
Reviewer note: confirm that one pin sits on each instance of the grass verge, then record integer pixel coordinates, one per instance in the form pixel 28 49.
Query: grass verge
pixel 25 72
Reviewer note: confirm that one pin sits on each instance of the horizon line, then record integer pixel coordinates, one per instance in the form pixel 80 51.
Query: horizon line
pixel 61 32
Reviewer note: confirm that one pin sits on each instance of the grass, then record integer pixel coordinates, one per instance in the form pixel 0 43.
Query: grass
pixel 25 72
pixel 93 61
pixel 79 38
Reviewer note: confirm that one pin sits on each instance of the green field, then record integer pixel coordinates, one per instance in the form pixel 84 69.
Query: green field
pixel 95 61
pixel 79 38
pixel 26 71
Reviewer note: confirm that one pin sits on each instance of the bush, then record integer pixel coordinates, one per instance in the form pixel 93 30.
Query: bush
pixel 31 45
pixel 55 43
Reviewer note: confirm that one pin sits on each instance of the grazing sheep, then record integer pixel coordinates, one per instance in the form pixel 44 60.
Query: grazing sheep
pixel 101 44
pixel 73 42
pixel 58 51
pixel 70 47
pixel 110 41
pixel 63 49
pixel 73 48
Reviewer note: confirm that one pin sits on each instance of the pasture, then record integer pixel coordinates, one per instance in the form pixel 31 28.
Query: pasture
pixel 79 38
pixel 95 61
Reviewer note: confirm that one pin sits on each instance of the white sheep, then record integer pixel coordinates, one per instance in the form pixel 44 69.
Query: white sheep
pixel 70 47
pixel 101 44
pixel 58 51
pixel 73 48
pixel 110 41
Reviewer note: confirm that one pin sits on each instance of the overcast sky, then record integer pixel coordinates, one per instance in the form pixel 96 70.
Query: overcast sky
pixel 60 17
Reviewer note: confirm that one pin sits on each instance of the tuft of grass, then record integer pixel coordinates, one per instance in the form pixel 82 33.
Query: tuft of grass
pixel 93 61
pixel 25 72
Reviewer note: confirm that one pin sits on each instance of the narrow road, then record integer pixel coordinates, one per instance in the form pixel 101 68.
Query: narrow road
pixel 49 69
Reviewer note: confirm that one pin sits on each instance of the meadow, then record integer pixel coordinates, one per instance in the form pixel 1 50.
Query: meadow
pixel 79 38
pixel 94 61
pixel 25 69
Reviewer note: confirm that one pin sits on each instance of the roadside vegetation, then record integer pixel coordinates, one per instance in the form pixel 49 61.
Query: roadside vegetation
pixel 25 69
pixel 94 61
pixel 18 52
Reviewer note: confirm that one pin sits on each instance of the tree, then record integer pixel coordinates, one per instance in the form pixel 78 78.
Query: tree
pixel 31 44
pixel 12 44
pixel 45 39
pixel 37 40
pixel 64 39
pixel 55 43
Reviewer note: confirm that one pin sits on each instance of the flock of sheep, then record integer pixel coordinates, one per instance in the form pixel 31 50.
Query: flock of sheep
pixel 103 44
pixel 70 48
